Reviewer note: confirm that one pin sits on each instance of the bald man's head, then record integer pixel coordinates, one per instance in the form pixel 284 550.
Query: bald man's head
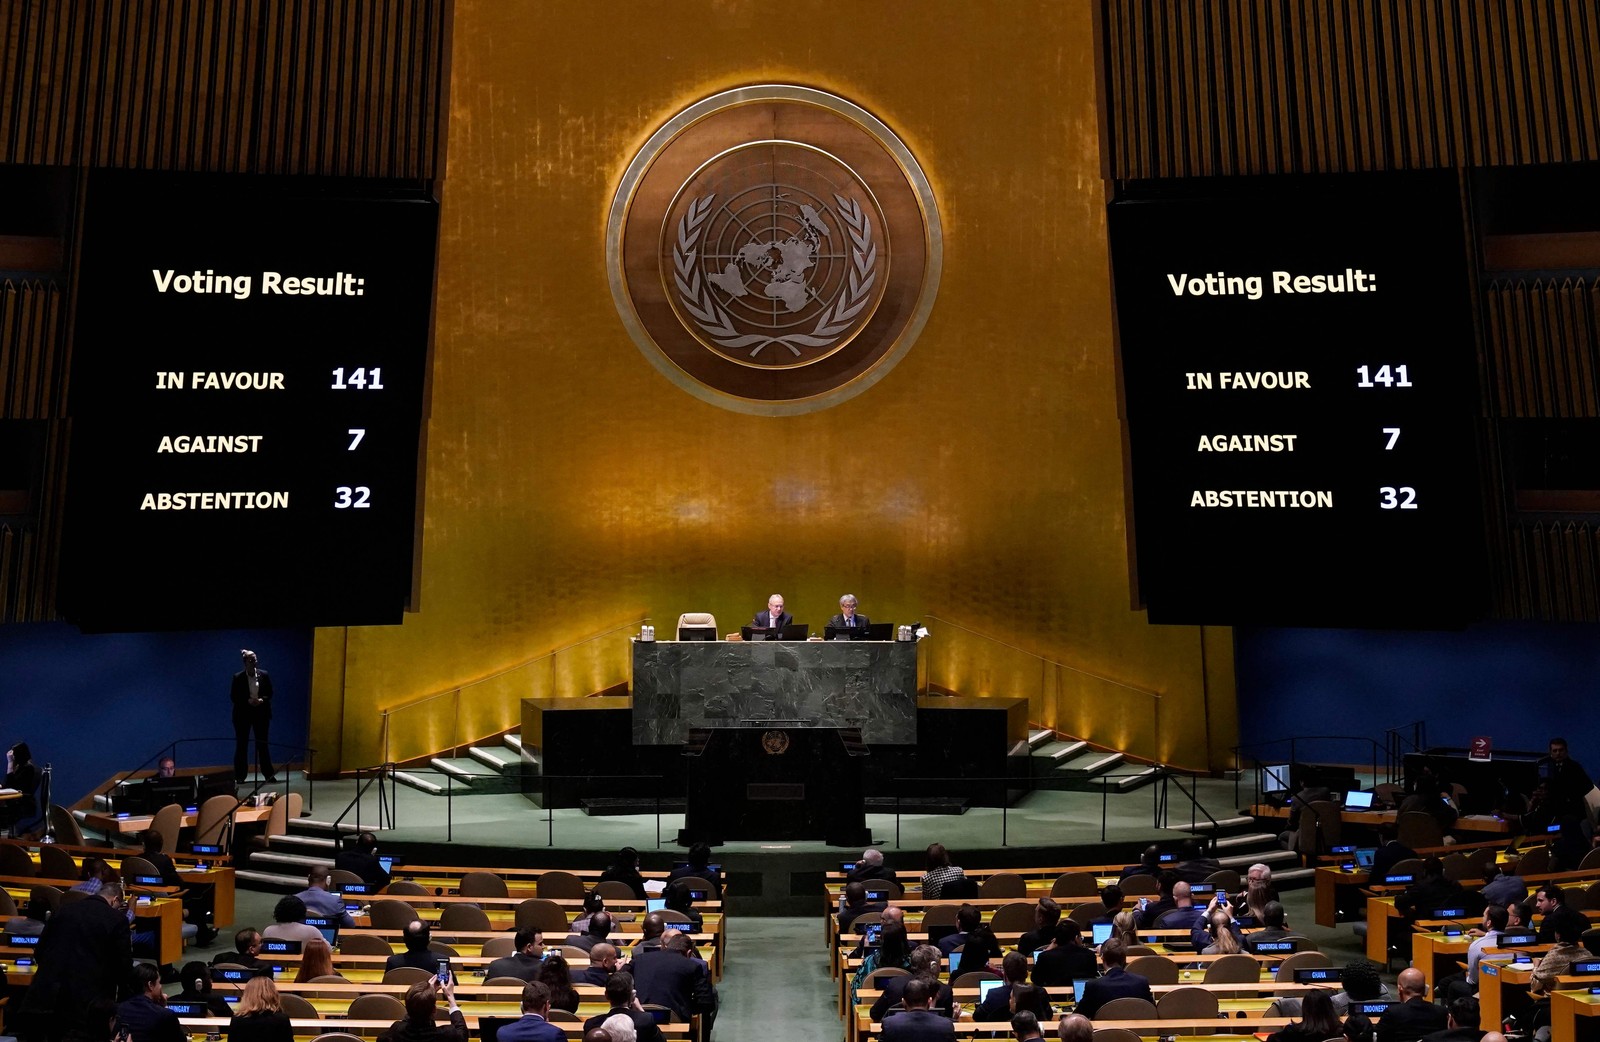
pixel 1411 982
pixel 1075 1027
pixel 1181 894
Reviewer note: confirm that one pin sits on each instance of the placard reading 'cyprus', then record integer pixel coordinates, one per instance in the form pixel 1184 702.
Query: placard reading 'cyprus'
pixel 1297 362
pixel 247 395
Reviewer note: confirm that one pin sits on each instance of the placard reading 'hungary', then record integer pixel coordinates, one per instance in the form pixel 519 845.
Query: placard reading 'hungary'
pixel 1297 362
pixel 247 394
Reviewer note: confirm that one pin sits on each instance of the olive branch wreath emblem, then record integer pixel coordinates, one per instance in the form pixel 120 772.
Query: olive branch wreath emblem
pixel 715 322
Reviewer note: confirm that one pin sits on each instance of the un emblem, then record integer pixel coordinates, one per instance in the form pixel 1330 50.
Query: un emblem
pixel 774 249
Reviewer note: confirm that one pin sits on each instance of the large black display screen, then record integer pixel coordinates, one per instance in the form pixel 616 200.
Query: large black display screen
pixel 249 367
pixel 1298 361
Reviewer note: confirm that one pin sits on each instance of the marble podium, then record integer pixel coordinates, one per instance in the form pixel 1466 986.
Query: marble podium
pixel 870 686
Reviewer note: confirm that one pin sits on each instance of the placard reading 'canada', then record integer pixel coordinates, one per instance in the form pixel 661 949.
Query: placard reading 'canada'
pixel 247 395
pixel 1297 361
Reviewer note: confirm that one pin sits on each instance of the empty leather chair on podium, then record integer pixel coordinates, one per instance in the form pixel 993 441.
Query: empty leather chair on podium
pixel 696 620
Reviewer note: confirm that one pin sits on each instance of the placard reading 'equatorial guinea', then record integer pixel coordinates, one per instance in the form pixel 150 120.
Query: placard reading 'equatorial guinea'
pixel 247 395
pixel 1297 362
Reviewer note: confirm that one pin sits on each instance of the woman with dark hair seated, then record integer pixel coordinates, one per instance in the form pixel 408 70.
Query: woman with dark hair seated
pixel 289 922
pixel 626 870
pixel 555 974
pixel 679 899
pixel 1317 1023
pixel 22 774
pixel 976 953
pixel 893 950
pixel 196 980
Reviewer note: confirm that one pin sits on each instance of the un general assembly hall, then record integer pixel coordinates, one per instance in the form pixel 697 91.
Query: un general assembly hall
pixel 515 513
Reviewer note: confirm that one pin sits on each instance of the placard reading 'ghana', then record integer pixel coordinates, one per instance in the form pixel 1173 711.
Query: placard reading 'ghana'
pixel 247 394
pixel 1297 362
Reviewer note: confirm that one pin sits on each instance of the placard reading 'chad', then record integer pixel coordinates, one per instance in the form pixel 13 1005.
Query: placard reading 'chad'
pixel 1297 362
pixel 247 388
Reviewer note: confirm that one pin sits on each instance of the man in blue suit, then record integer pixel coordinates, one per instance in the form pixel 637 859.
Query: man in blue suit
pixel 1117 983
pixel 774 618
pixel 534 1025
pixel 919 1023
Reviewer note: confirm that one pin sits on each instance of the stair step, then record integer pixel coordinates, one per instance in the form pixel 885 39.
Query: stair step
pixel 1222 823
pixel 345 827
pixel 1092 762
pixel 916 805
pixel 1041 737
pixel 462 769
pixel 1127 782
pixel 269 880
pixel 281 858
pixel 1241 862
pixel 1245 839
pixel 1061 752
pixel 603 806
pixel 497 759
pixel 422 781
pixel 513 741
pixel 315 843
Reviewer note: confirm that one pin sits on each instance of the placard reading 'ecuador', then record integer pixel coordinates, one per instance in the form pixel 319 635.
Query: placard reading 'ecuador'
pixel 1297 362
pixel 247 395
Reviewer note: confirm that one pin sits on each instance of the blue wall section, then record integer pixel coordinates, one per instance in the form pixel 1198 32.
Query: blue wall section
pixel 94 705
pixel 1519 683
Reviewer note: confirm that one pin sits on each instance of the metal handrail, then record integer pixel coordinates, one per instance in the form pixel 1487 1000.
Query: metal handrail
pixel 1238 760
pixel 385 804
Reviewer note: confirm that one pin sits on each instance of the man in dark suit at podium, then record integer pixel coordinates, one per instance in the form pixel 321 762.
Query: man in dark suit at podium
pixel 252 710
pixel 848 617
pixel 774 618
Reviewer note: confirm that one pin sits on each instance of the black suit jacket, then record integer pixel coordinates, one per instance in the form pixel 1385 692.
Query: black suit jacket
pixel 919 1025
pixel 240 695
pixel 861 621
pixel 764 618
pixel 714 878
pixel 667 978
pixel 998 1005
pixel 148 1021
pixel 1410 1020
pixel 85 953
pixel 865 873
pixel 894 993
pixel 1118 983
pixel 1057 967
pixel 644 1025
pixel 591 975
pixel 409 1030
pixel 363 864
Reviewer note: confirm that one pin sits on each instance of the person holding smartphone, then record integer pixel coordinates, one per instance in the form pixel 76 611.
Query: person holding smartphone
pixel 422 999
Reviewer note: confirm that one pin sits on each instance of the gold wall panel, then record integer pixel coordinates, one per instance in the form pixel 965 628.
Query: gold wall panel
pixel 570 486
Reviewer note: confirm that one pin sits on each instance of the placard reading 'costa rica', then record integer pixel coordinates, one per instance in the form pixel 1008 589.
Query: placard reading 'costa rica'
pixel 249 365
pixel 1298 363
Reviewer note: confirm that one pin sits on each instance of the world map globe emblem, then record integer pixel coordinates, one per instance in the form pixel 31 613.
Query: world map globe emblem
pixel 774 249
pixel 776 272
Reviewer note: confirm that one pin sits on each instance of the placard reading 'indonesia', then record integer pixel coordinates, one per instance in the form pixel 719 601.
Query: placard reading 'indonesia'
pixel 1297 363
pixel 247 398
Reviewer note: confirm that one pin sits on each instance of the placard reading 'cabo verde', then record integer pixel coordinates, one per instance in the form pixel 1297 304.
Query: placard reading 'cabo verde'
pixel 247 395
pixel 1297 362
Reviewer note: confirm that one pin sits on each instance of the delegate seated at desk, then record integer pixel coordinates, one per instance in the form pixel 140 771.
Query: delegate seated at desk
pixel 848 617
pixel 774 618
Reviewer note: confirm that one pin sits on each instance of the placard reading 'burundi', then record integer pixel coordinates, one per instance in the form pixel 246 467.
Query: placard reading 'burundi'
pixel 249 366
pixel 1297 362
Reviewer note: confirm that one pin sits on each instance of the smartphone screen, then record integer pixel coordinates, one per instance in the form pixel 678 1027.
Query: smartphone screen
pixel 444 970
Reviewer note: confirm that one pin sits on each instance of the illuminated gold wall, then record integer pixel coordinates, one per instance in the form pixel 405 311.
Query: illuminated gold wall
pixel 570 486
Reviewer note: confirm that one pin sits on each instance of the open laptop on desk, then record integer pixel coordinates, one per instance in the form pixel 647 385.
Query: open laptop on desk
pixel 876 631
pixel 1357 800
pixel 794 631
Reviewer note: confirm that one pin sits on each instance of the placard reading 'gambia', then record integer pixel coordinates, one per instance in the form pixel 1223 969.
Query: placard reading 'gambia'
pixel 1297 363
pixel 247 396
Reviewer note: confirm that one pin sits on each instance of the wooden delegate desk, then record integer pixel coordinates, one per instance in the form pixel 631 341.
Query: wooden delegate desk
pixel 1502 986
pixel 116 825
pixel 164 915
pixel 220 878
pixel 1436 955
pixel 1375 818
pixel 1575 1014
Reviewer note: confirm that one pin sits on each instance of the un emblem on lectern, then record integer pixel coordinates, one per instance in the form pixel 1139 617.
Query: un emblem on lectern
pixel 776 743
pixel 774 249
